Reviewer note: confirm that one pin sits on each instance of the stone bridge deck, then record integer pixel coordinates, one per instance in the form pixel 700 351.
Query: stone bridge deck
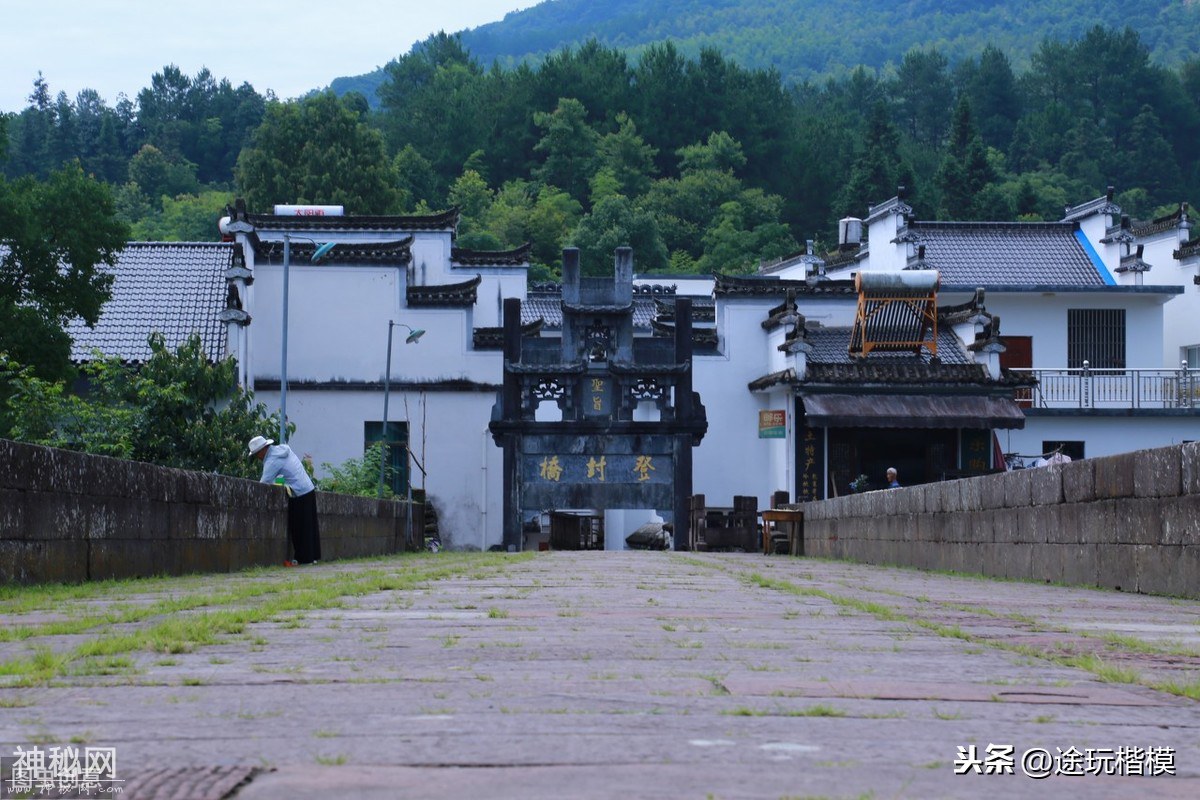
pixel 656 675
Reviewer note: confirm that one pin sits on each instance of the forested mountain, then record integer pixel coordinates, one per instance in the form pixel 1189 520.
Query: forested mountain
pixel 808 40
pixel 700 163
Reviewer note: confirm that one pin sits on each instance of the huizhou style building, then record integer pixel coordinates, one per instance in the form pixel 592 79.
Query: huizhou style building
pixel 818 369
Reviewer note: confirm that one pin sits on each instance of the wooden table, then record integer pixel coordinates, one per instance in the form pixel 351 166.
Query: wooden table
pixel 788 519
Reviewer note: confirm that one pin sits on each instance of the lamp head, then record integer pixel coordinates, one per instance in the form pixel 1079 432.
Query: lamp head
pixel 322 251
pixel 414 335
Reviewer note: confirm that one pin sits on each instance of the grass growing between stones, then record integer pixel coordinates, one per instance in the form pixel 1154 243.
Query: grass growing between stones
pixel 820 710
pixel 183 623
pixel 1093 663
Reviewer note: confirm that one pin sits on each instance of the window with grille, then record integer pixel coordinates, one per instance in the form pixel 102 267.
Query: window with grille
pixel 396 474
pixel 1097 336
pixel 1074 449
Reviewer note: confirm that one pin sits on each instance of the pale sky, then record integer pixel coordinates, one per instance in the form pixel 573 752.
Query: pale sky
pixel 289 46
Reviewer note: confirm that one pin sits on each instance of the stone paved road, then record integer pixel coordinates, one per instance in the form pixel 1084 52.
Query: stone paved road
pixel 635 675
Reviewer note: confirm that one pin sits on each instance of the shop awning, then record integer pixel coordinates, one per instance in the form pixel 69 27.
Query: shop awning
pixel 911 411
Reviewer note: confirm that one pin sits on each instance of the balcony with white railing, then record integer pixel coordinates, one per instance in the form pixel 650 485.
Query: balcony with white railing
pixel 1088 388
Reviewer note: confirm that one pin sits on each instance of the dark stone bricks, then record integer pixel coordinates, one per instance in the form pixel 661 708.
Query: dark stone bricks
pixel 1093 522
pixel 67 516
pixel 1189 458
pixel 1036 524
pixel 1138 521
pixel 1181 522
pixel 1017 488
pixel 1117 568
pixel 42 561
pixel 1081 564
pixel 12 513
pixel 1014 561
pixel 991 492
pixel 1005 525
pixel 1158 570
pixel 1114 476
pixel 1157 473
pixel 1079 481
pixel 979 526
pixel 1082 523
pixel 1046 562
pixel 52 515
pixel 1045 485
pixel 125 558
pixel 972 493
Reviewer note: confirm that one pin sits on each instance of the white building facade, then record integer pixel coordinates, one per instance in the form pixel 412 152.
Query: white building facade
pixel 1043 336
pixel 1080 312
pixel 441 387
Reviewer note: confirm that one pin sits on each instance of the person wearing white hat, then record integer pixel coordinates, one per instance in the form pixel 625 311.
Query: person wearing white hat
pixel 303 528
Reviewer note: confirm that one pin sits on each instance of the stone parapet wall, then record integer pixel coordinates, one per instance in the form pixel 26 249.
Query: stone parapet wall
pixel 1128 522
pixel 67 516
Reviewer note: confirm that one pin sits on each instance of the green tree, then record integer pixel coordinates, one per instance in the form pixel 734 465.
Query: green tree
pixel 616 222
pixel 877 170
pixel 192 414
pixel 185 218
pixel 318 150
pixel 199 119
pixel 991 87
pixel 45 412
pixel 720 153
pixel 627 157
pixel 508 215
pixel 433 99
pixel 568 148
pixel 358 476
pixel 734 243
pixel 595 75
pixel 1088 158
pixel 30 144
pixel 1150 161
pixel 59 235
pixel 924 94
pixel 416 181
pixel 471 194
pixel 665 102
pixel 965 171
pixel 178 410
pixel 554 216
pixel 157 175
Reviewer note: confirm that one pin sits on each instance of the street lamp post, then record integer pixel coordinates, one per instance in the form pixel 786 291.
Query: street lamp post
pixel 320 252
pixel 414 334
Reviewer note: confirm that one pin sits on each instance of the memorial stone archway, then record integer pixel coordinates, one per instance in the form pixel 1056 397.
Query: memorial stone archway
pixel 597 455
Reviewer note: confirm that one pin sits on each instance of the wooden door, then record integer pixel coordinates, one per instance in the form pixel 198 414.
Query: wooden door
pixel 1018 354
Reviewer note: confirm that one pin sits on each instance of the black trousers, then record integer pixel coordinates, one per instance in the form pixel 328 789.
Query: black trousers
pixel 303 528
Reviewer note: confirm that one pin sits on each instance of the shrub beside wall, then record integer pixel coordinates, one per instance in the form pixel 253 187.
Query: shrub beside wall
pixel 67 516
pixel 1129 522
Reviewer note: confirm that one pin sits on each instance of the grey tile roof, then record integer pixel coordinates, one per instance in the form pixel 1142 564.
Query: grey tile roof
pixel 517 256
pixel 1006 253
pixel 1100 205
pixel 389 252
pixel 175 289
pixel 1166 222
pixel 774 286
pixel 548 306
